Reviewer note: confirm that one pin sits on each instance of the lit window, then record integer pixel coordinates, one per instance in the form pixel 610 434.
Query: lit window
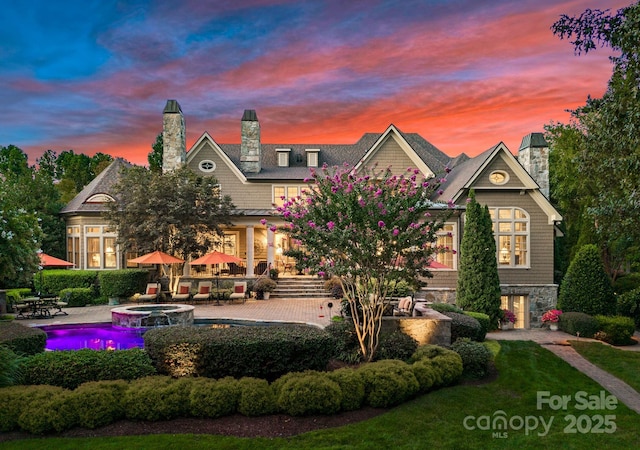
pixel 445 258
pixel 511 228
pixel 286 192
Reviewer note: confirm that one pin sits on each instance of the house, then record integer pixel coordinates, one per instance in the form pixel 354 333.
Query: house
pixel 257 175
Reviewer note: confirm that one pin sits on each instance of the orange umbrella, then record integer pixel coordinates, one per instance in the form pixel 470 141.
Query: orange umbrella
pixel 52 261
pixel 156 257
pixel 433 264
pixel 215 258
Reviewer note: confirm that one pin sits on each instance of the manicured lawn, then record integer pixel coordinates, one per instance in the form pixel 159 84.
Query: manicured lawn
pixel 437 420
pixel 623 364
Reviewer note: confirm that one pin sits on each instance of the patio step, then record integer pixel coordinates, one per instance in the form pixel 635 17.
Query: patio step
pixel 300 288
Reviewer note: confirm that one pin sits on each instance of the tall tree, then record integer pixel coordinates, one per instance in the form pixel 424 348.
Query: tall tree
pixel 177 212
pixel 155 157
pixel 369 229
pixel 610 126
pixel 478 286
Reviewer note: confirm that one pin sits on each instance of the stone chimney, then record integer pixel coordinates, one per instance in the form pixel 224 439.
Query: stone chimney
pixel 533 155
pixel 174 137
pixel 250 155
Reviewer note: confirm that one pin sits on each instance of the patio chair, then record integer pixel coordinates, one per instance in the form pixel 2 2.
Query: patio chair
pixel 21 309
pixel 204 292
pixel 261 268
pixel 151 293
pixel 183 292
pixel 239 291
pixel 405 307
pixel 235 269
pixel 62 303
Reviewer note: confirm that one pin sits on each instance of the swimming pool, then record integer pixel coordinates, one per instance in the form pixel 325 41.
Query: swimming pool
pixel 105 336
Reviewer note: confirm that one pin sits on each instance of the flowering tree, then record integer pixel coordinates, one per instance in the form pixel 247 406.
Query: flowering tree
pixel 368 228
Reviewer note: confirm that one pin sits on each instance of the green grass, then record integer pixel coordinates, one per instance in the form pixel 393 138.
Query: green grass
pixel 622 364
pixel 435 420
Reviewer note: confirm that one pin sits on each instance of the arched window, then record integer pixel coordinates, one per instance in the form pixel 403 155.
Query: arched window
pixel 511 229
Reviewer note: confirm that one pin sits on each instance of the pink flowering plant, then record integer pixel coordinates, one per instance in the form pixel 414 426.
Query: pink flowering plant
pixel 552 315
pixel 369 227
pixel 508 316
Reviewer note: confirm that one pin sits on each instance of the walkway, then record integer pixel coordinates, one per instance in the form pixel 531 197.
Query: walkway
pixel 557 343
pixel 316 312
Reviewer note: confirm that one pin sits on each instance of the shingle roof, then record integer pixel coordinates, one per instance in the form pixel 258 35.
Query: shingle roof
pixel 461 173
pixel 101 184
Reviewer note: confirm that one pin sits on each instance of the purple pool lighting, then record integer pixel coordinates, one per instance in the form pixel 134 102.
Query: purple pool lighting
pixel 100 336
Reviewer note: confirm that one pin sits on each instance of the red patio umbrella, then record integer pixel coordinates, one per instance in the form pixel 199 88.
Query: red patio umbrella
pixel 433 264
pixel 52 261
pixel 156 257
pixel 215 258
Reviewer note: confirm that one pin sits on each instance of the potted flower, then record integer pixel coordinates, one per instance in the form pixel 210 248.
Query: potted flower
pixel 262 287
pixel 508 319
pixel 273 273
pixel 552 317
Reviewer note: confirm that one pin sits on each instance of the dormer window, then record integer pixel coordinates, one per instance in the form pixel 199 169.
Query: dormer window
pixel 99 198
pixel 283 156
pixel 312 157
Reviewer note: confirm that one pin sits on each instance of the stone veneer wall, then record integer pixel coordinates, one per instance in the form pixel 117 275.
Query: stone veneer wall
pixel 174 137
pixel 541 298
pixel 431 328
pixel 250 157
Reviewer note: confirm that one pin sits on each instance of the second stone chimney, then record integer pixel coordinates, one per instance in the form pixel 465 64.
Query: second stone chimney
pixel 533 155
pixel 250 153
pixel 174 137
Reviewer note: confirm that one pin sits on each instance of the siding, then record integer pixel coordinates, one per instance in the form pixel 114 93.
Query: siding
pixel 391 154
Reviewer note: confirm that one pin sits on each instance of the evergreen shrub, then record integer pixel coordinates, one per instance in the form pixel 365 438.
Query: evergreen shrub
pixel 586 287
pixel 388 383
pixel 309 393
pixel 352 387
pixel 122 283
pixel 256 397
pixel 396 345
pixel 485 324
pixel 615 330
pixel 98 403
pixel 214 398
pixel 157 398
pixel 475 357
pixel 463 326
pixel 628 305
pixel 77 297
pixel 577 323
pixel 21 339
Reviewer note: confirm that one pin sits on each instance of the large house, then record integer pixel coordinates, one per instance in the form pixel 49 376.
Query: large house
pixel 256 175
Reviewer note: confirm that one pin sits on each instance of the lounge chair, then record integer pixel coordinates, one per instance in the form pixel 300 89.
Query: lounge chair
pixel 183 292
pixel 405 307
pixel 152 293
pixel 239 291
pixel 204 292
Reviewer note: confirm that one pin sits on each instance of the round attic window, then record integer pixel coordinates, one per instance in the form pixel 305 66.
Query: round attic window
pixel 206 165
pixel 499 177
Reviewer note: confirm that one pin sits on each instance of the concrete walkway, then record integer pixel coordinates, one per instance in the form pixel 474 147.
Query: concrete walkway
pixel 317 312
pixel 557 343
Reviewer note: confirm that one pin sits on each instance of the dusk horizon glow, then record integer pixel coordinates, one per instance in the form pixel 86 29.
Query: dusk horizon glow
pixel 94 76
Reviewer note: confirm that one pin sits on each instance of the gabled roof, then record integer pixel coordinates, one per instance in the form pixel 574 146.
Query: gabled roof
pixel 463 176
pixel 329 154
pixel 101 184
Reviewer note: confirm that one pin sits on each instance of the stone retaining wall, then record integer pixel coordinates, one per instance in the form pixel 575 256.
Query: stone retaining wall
pixel 430 328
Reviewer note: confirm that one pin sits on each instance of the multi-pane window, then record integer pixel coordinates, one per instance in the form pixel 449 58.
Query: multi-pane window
pixel 73 245
pixel 286 192
pixel 511 229
pixel 100 248
pixel 519 306
pixel 445 242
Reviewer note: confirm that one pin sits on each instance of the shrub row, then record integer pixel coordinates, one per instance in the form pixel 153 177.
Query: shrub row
pixel 464 326
pixel 382 384
pixel 628 305
pixel 69 369
pixel 578 323
pixel 615 330
pixel 22 339
pixel 261 352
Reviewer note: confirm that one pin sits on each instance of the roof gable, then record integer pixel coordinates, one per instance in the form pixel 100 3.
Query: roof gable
pixel 192 155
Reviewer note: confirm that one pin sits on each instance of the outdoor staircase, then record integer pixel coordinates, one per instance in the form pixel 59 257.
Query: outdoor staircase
pixel 300 287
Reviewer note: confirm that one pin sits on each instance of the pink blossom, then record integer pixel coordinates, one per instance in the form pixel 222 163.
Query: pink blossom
pixel 263 221
pixel 330 225
pixel 273 228
pixel 396 232
pixel 381 224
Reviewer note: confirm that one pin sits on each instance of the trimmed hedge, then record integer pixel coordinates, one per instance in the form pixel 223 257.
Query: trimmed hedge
pixel 463 326
pixel 43 409
pixel 261 352
pixel 475 357
pixel 69 369
pixel 78 296
pixel 485 324
pixel 55 280
pixel 396 345
pixel 122 283
pixel 615 330
pixel 446 307
pixel 22 339
pixel 577 322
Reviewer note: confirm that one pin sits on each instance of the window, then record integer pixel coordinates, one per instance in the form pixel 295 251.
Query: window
pixel 73 245
pixel 283 157
pixel 206 165
pixel 280 193
pixel 499 177
pixel 100 248
pixel 312 157
pixel 446 240
pixel 511 229
pixel 519 306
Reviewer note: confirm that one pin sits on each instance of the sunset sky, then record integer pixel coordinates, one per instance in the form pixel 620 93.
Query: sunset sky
pixel 94 76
